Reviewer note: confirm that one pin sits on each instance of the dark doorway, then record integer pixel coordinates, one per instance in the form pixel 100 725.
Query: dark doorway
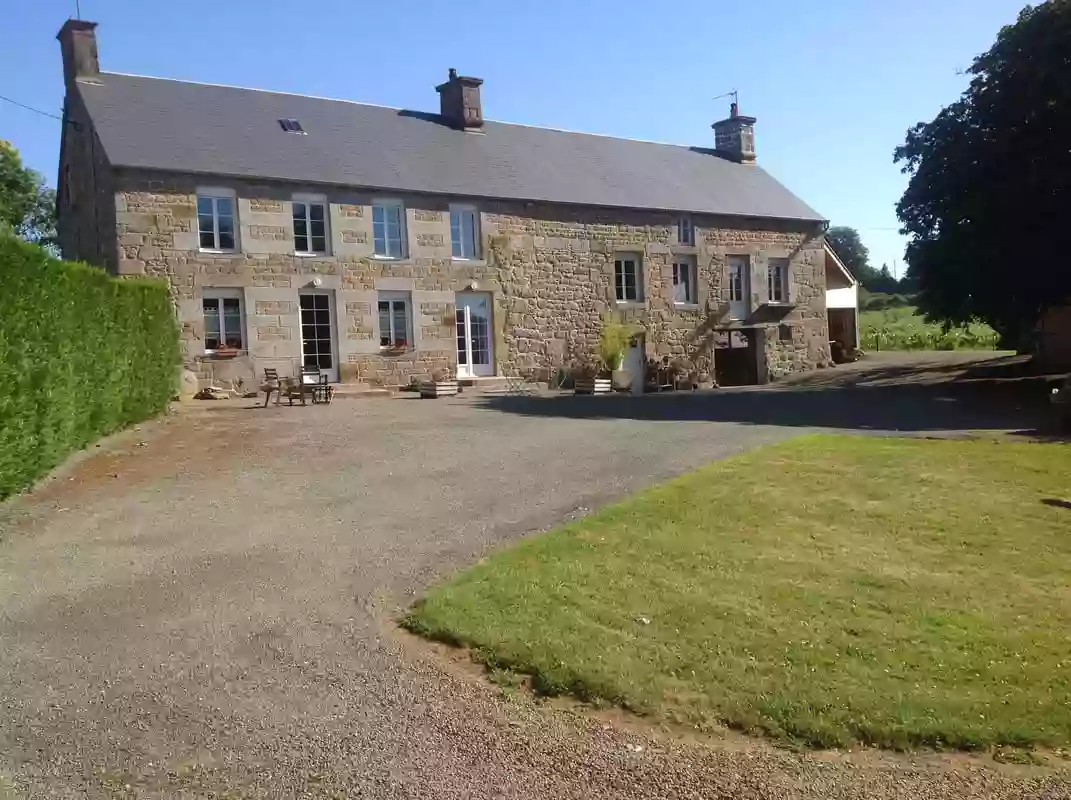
pixel 735 363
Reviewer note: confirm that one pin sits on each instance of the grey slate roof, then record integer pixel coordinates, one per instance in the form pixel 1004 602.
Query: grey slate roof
pixel 201 128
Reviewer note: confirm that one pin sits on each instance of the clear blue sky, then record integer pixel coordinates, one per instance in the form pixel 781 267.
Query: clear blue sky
pixel 834 85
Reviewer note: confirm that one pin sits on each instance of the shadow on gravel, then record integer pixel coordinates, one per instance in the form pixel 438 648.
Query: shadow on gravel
pixel 902 398
pixel 1052 501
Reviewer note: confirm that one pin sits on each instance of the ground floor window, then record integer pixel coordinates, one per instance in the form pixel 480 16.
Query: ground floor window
pixel 223 320
pixel 394 320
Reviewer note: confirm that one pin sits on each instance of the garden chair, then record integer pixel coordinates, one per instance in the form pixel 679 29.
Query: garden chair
pixel 271 384
pixel 303 387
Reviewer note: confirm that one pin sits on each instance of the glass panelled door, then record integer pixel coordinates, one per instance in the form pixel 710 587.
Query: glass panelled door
pixel 475 356
pixel 739 269
pixel 318 333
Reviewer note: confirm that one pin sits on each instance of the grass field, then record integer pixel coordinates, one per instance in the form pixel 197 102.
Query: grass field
pixel 903 328
pixel 826 591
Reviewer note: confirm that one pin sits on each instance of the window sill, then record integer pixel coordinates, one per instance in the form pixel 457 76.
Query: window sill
pixel 300 254
pixel 377 257
pixel 396 351
pixel 209 251
pixel 686 306
pixel 781 304
pixel 632 304
pixel 224 355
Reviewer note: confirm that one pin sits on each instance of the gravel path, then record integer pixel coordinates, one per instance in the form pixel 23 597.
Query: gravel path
pixel 205 607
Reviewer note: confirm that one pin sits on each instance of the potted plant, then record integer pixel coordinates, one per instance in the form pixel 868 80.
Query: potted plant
pixel 678 371
pixel 587 379
pixel 225 350
pixel 614 340
pixel 442 384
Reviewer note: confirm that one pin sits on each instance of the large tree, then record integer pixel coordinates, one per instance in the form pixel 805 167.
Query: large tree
pixel 989 198
pixel 849 247
pixel 27 205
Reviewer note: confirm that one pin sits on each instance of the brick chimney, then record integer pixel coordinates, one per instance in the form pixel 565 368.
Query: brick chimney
pixel 459 101
pixel 78 43
pixel 735 137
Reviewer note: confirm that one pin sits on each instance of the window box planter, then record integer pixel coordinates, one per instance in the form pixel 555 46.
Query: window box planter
pixel 434 389
pixel 225 352
pixel 593 386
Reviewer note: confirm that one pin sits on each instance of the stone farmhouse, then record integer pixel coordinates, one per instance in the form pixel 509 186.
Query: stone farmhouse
pixel 381 244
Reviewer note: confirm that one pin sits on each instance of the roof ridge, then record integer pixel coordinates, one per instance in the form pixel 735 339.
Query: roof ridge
pixel 393 108
pixel 253 89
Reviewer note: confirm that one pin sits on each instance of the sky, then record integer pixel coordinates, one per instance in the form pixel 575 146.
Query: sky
pixel 835 85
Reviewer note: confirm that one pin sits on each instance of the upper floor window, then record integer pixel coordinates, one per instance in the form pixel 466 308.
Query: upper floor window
pixel 388 228
pixel 310 224
pixel 628 278
pixel 685 289
pixel 777 280
pixel 216 219
pixel 685 231
pixel 223 319
pixel 464 232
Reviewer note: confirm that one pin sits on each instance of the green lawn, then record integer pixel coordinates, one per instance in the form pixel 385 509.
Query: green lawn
pixel 830 590
pixel 903 328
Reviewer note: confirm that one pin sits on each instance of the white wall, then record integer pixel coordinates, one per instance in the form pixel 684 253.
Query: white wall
pixel 847 297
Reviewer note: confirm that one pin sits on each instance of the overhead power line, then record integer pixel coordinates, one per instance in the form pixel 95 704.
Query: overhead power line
pixel 31 108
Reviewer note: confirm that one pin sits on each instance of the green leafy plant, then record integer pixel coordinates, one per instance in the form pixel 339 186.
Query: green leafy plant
pixel 82 355
pixel 614 339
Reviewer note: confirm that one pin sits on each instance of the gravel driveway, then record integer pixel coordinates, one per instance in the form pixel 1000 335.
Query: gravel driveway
pixel 205 607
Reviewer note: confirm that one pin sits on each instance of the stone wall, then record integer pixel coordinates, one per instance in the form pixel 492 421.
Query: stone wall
pixel 549 271
pixel 86 222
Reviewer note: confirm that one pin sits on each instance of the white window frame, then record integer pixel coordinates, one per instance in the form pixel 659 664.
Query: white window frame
pixel 685 232
pixel 687 266
pixel 310 200
pixel 621 289
pixel 221 295
pixel 393 298
pixel 216 193
pixel 777 277
pixel 403 248
pixel 465 212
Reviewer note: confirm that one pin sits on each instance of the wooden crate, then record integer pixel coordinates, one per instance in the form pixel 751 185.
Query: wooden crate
pixel 592 386
pixel 433 389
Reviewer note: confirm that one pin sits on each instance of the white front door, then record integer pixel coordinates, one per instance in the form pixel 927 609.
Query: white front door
pixel 475 355
pixel 738 286
pixel 318 332
pixel 636 364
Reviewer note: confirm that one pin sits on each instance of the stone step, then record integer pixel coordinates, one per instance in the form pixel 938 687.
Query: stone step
pixel 498 386
pixel 360 391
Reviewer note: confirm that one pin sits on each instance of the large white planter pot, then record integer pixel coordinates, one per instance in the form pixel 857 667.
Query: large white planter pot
pixel 621 379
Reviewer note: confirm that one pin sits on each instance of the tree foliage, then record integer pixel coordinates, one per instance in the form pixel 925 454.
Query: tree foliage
pixel 849 247
pixel 989 196
pixel 27 205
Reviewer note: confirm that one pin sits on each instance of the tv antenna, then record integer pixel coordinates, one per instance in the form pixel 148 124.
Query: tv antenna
pixel 733 94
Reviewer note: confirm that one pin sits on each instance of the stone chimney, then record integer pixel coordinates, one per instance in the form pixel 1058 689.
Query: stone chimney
pixel 78 43
pixel 459 101
pixel 735 137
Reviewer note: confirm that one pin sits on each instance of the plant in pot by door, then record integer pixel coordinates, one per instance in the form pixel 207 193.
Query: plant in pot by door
pixel 587 380
pixel 614 340
pixel 442 384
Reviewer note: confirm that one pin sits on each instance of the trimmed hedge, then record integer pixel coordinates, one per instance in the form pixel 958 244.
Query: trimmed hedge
pixel 82 355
